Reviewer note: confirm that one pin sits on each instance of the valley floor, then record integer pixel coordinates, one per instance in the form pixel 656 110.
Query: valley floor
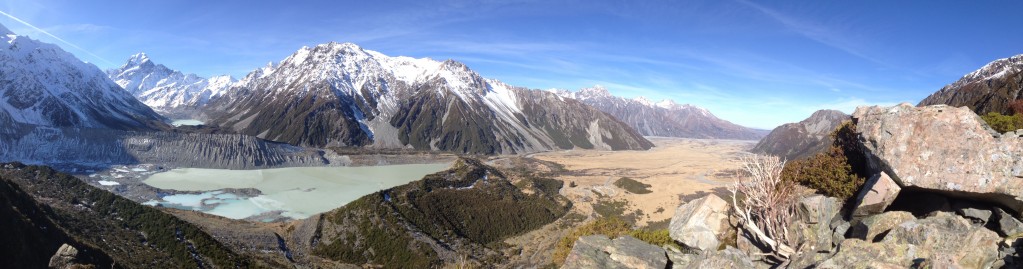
pixel 675 167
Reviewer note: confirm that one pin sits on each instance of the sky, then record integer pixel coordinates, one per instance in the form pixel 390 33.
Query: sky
pixel 754 63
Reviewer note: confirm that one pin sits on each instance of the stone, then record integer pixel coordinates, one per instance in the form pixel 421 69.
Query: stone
pixel 728 258
pixel 598 251
pixel 947 237
pixel 65 257
pixel 1008 225
pixel 633 253
pixel 876 195
pixel 973 211
pixel 870 227
pixel 942 149
pixel 701 223
pixel 856 253
pixel 838 235
pixel 588 252
pixel 815 215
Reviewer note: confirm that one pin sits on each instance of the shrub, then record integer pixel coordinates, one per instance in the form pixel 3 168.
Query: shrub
pixel 1002 123
pixel 1016 106
pixel 633 186
pixel 833 172
pixel 768 202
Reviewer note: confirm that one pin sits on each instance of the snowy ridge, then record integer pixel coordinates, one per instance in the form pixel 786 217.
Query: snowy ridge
pixel 993 70
pixel 48 86
pixel 165 89
pixel 371 99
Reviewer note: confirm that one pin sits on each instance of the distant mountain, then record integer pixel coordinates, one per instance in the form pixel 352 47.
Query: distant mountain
pixel 43 85
pixel 989 89
pixel 168 91
pixel 802 139
pixel 342 95
pixel 665 118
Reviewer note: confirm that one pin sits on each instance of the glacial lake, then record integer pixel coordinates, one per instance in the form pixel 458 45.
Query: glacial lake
pixel 180 122
pixel 297 192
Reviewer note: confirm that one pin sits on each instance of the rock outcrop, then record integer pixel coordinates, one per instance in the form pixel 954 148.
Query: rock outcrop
pixel 871 227
pixel 700 223
pixel 598 251
pixel 803 139
pixel 943 149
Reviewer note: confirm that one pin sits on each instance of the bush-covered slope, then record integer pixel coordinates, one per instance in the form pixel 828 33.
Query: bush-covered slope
pixel 460 213
pixel 44 209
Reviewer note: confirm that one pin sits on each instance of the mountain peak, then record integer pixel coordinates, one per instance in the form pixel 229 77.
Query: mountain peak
pixel 138 59
pixel 596 91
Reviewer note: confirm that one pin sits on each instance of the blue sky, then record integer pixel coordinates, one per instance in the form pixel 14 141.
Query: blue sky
pixel 758 64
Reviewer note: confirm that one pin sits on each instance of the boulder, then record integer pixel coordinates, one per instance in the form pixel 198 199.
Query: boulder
pixel 588 252
pixel 813 227
pixel 701 223
pixel 633 253
pixel 942 149
pixel 856 253
pixel 876 195
pixel 65 257
pixel 976 212
pixel 728 258
pixel 598 251
pixel 946 237
pixel 1008 225
pixel 870 227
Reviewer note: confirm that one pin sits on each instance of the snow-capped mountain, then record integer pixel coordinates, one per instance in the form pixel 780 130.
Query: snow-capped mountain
pixel 988 89
pixel 338 94
pixel 664 118
pixel 165 90
pixel 47 86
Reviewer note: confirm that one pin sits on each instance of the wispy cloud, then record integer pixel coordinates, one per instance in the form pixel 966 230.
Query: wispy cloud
pixel 816 32
pixel 54 37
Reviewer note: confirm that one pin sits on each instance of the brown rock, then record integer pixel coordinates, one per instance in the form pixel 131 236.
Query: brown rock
pixel 877 194
pixel 943 149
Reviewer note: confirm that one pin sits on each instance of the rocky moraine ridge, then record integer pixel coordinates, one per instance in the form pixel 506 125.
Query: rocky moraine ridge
pixel 945 194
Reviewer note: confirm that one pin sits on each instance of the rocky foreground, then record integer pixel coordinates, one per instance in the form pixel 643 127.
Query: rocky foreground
pixel 945 193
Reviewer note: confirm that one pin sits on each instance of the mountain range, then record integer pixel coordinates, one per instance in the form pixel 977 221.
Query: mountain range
pixel 665 118
pixel 168 91
pixel 339 94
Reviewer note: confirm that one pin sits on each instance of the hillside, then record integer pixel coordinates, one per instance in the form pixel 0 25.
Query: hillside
pixel 665 118
pixel 803 139
pixel 450 215
pixel 44 209
pixel 988 89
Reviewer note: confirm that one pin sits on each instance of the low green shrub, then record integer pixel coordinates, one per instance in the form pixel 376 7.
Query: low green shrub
pixel 1003 123
pixel 837 172
pixel 633 186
